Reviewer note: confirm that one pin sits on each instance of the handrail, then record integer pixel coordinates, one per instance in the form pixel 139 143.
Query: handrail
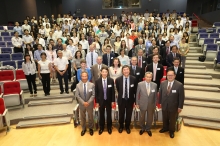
pixel 196 16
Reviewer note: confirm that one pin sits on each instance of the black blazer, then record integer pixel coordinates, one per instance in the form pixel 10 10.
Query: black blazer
pixel 132 89
pixel 169 59
pixel 138 74
pixel 105 59
pixel 99 93
pixel 159 74
pixel 179 75
pixel 150 57
pixel 162 43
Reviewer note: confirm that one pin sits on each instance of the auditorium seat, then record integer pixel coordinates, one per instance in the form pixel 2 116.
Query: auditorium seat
pixel 10 27
pixel 217 41
pixel 217 60
pixel 20 77
pixel 2 44
pixel 218 31
pixel 194 26
pixel 201 37
pixel 13 95
pixel 214 35
pixel 5 34
pixel 19 64
pixel 7 75
pixel 1 28
pixel 0 38
pixel 6 50
pixel 4 118
pixel 208 41
pixel 7 38
pixel 202 31
pixel 216 24
pixel 9 44
pixel 12 33
pixel 211 51
pixel 5 57
pixel 17 56
pixel 10 63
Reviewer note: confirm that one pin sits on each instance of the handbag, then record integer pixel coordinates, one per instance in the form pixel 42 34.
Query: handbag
pixel 202 58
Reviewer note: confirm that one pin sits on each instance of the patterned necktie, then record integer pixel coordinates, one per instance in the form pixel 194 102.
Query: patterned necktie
pixel 168 89
pixel 139 62
pixel 174 54
pixel 85 91
pixel 108 57
pixel 126 90
pixel 105 91
pixel 92 57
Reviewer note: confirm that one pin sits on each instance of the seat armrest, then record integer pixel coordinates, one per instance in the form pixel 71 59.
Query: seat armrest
pixel 1 95
pixel 21 92
pixel 5 112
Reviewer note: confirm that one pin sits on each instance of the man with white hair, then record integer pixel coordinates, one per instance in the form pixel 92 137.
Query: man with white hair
pixel 91 56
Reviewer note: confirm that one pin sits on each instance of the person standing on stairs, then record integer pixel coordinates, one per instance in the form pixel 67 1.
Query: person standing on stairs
pixel 183 51
pixel 174 53
pixel 45 73
pixel 171 98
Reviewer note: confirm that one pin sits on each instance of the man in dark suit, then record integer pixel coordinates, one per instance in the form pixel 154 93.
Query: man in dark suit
pixel 150 50
pixel 136 40
pixel 126 88
pixel 164 51
pixel 141 60
pixel 156 69
pixel 160 42
pixel 135 70
pixel 150 57
pixel 108 57
pixel 169 58
pixel 179 71
pixel 105 98
pixel 171 99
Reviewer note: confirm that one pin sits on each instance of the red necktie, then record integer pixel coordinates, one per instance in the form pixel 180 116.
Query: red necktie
pixel 139 62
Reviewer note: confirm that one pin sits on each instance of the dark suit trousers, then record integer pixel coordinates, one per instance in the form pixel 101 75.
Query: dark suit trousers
pixel 31 81
pixel 69 70
pixel 65 77
pixel 46 82
pixel 169 120
pixel 125 106
pixel 106 105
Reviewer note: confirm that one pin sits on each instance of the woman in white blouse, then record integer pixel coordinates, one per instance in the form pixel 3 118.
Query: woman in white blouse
pixel 115 70
pixel 51 56
pixel 44 73
pixel 124 59
pixel 29 69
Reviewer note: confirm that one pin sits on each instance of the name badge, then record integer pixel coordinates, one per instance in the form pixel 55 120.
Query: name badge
pixel 137 73
pixel 143 61
pixel 173 91
pixel 109 86
pixel 180 72
pixel 90 90
pixel 158 68
pixel 111 57
pixel 152 90
pixel 132 85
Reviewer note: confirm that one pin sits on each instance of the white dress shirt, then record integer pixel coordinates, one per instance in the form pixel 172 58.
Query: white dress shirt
pixel 85 45
pixel 128 84
pixel 28 27
pixel 88 59
pixel 72 49
pixel 61 63
pixel 28 39
pixel 16 41
pixel 171 84
pixel 67 54
pixel 58 34
pixel 42 42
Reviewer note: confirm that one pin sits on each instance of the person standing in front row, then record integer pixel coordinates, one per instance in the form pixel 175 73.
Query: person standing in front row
pixel 126 88
pixel 146 102
pixel 45 73
pixel 61 66
pixel 85 94
pixel 171 99
pixel 105 98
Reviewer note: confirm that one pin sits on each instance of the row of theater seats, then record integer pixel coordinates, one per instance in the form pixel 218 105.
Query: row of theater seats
pixel 5 44
pixel 14 59
pixel 10 28
pixel 4 50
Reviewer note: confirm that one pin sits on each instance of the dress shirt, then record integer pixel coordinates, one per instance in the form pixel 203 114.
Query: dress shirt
pixel 44 66
pixel 85 45
pixel 37 54
pixel 139 58
pixel 174 43
pixel 26 26
pixel 105 83
pixel 18 29
pixel 42 42
pixel 175 69
pixel 53 38
pixel 16 41
pixel 72 49
pixel 75 40
pixel 67 54
pixel 154 71
pixel 102 36
pixel 42 32
pixel 29 68
pixel 88 70
pixel 61 63
pixel 27 39
pixel 129 43
pixel 88 59
pixel 170 84
pixel 58 34
pixel 124 60
pixel 128 85
pixel 86 86
pixel 66 27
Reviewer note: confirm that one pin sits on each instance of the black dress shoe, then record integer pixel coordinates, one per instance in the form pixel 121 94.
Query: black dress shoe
pixel 91 132
pixel 45 94
pixel 67 92
pixel 61 92
pixel 83 132
pixel 120 130
pixel 149 133
pixel 48 93
pixel 109 131
pixel 171 135
pixel 100 131
pixel 163 130
pixel 128 130
pixel 141 132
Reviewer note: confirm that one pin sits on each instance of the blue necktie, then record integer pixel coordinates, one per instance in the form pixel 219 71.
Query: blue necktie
pixel 85 91
pixel 92 58
pixel 126 90
pixel 105 91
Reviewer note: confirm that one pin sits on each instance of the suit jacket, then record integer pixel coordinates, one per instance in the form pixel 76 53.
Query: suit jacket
pixel 90 94
pixel 163 55
pixel 159 74
pixel 105 59
pixel 150 57
pixel 150 50
pixel 137 47
pixel 136 41
pixel 169 59
pixel 132 89
pixel 161 44
pixel 145 101
pixel 96 72
pixel 99 92
pixel 138 73
pixel 175 99
pixel 179 74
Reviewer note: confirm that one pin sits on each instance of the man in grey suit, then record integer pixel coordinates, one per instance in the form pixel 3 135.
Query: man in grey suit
pixel 171 99
pixel 95 70
pixel 139 46
pixel 146 102
pixel 85 93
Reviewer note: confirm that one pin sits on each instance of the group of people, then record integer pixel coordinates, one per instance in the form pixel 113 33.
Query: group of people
pixel 110 57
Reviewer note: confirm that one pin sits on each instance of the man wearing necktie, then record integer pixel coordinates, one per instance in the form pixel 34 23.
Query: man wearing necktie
pixel 164 51
pixel 135 70
pixel 85 94
pixel 139 46
pixel 171 99
pixel 91 56
pixel 169 58
pixel 146 102
pixel 126 87
pixel 108 57
pixel 105 98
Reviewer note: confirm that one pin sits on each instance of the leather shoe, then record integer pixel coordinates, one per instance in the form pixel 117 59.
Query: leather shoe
pixel 61 92
pixel 149 133
pixel 91 132
pixel 120 130
pixel 171 135
pixel 163 130
pixel 100 131
pixel 141 132
pixel 67 92
pixel 109 131
pixel 128 131
pixel 83 132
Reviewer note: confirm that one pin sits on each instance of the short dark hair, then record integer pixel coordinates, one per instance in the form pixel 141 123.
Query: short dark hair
pixel 104 68
pixel 171 70
pixel 176 58
pixel 83 61
pixel 125 66
pixel 174 47
pixel 43 53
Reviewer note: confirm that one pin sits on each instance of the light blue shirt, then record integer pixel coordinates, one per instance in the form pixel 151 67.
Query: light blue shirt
pixel 148 44
pixel 128 84
pixel 72 49
pixel 174 43
pixel 18 29
pixel 79 74
pixel 37 55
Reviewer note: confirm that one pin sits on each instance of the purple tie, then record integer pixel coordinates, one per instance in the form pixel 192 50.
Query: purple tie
pixel 105 95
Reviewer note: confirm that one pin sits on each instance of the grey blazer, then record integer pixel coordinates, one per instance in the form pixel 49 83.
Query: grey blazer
pixel 90 94
pixel 96 72
pixel 137 47
pixel 175 99
pixel 144 101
